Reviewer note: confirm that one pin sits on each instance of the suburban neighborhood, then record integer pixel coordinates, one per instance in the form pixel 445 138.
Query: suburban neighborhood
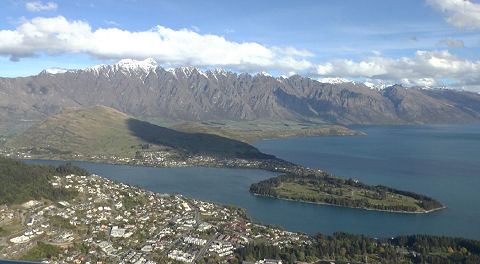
pixel 112 222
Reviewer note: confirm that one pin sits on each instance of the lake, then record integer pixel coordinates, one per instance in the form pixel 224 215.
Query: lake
pixel 442 161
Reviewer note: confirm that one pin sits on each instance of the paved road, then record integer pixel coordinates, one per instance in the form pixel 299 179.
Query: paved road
pixel 202 252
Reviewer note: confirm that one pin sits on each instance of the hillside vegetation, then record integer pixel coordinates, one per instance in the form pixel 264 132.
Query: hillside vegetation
pixel 350 248
pixel 21 182
pixel 326 189
pixel 100 130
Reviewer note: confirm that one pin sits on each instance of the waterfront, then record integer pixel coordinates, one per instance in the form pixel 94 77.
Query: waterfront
pixel 439 161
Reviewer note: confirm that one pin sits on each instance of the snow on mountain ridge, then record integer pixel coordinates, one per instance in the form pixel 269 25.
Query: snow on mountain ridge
pixel 263 73
pixel 335 80
pixel 377 85
pixel 55 70
pixel 142 68
pixel 130 64
pixel 127 65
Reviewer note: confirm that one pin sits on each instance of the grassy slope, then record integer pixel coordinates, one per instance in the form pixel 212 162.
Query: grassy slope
pixel 254 131
pixel 98 130
pixel 105 131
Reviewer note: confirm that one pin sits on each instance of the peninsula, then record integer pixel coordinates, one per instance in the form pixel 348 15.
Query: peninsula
pixel 102 134
pixel 323 188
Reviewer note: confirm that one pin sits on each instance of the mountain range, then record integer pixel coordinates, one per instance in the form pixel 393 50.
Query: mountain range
pixel 147 91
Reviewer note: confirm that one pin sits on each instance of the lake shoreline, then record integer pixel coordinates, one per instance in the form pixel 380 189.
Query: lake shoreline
pixel 239 167
pixel 361 208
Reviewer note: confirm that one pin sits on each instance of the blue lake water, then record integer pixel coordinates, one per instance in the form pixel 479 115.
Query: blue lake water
pixel 442 161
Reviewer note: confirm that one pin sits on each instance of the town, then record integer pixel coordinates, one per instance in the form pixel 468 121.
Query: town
pixel 112 222
pixel 166 159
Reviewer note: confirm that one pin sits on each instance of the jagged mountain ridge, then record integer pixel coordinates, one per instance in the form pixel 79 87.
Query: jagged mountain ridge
pixel 145 90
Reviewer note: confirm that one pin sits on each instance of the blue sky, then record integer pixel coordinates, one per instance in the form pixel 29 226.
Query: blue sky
pixel 413 42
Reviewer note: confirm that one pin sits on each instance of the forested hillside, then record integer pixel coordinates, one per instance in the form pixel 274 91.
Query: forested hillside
pixel 21 182
pixel 360 248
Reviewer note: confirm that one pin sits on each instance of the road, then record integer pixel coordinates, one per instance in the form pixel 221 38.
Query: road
pixel 202 251
pixel 197 216
pixel 188 232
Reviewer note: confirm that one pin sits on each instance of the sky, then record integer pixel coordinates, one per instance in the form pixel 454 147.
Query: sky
pixel 434 43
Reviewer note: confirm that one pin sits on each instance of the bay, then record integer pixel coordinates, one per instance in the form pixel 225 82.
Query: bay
pixel 442 161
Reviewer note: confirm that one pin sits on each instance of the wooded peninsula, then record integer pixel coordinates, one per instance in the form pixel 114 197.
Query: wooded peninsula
pixel 324 188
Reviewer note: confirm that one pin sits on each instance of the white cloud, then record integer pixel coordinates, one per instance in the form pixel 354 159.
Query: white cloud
pixel 452 43
pixel 459 13
pixel 291 51
pixel 423 69
pixel 39 6
pixel 169 47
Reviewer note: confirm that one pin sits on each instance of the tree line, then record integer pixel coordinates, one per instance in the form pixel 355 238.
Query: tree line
pixel 21 182
pixel 359 248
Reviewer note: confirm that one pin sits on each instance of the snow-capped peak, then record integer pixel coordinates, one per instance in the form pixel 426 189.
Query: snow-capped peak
pixel 145 65
pixel 187 70
pixel 125 65
pixel 336 80
pixel 220 71
pixel 216 73
pixel 55 70
pixel 376 85
pixel 263 73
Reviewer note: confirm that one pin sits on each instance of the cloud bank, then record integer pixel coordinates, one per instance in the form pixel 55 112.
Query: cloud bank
pixel 459 13
pixel 57 35
pixel 169 47
pixel 424 69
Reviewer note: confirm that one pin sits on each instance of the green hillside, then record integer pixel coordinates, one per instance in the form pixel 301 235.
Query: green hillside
pixel 99 130
pixel 21 182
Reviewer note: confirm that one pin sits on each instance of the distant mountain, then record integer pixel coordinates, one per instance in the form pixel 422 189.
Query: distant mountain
pixel 149 92
pixel 99 130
